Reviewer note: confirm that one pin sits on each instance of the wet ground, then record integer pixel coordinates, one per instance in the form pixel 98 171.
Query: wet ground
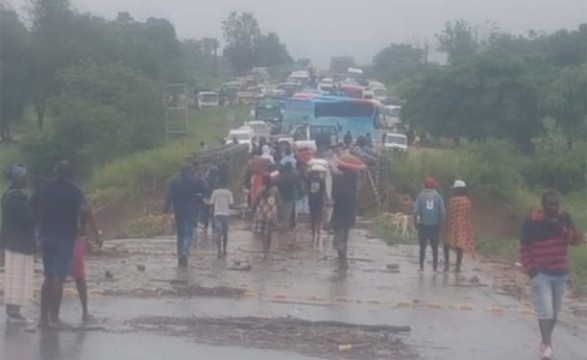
pixel 223 307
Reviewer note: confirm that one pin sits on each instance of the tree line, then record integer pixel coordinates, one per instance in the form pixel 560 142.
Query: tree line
pixel 94 87
pixel 499 85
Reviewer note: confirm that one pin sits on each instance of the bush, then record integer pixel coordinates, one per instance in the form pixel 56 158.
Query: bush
pixel 561 169
pixel 489 167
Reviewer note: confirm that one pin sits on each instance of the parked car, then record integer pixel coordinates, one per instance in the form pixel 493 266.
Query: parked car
pixel 260 129
pixel 240 136
pixel 396 142
pixel 208 99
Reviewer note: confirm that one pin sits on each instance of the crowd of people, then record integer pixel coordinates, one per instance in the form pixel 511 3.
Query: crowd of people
pixel 276 179
pixel 55 220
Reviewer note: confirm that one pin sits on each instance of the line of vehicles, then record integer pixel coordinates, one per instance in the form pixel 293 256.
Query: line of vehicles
pixel 322 109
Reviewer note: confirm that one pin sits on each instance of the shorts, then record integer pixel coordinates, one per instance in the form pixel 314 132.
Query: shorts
pixel 340 239
pixel 547 295
pixel 78 267
pixel 57 256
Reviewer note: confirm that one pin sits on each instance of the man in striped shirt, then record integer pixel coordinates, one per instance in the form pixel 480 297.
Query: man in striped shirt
pixel 546 236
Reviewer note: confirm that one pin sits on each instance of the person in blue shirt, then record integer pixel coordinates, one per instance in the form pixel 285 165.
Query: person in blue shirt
pixel 183 194
pixel 59 207
pixel 429 214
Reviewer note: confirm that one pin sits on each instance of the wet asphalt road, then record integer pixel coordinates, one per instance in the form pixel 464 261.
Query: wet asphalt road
pixel 451 318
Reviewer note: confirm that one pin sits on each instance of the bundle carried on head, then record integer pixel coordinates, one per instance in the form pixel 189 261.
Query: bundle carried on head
pixel 350 162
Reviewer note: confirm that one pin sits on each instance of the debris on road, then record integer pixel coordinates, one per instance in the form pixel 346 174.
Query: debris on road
pixel 315 338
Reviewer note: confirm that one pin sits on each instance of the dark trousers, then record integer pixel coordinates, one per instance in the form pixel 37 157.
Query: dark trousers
pixel 184 224
pixel 426 234
pixel 205 215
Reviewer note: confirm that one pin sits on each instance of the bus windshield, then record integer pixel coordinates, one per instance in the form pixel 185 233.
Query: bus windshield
pixel 267 113
pixel 345 109
pixel 209 97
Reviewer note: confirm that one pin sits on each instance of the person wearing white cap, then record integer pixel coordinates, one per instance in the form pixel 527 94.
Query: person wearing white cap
pixel 459 226
pixel 17 238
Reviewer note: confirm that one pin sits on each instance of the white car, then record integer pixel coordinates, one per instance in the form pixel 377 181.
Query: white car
pixel 259 128
pixel 240 136
pixel 379 93
pixel 208 99
pixel 326 87
pixel 396 142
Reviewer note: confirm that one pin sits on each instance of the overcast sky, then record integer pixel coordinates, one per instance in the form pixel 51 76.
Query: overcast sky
pixel 319 29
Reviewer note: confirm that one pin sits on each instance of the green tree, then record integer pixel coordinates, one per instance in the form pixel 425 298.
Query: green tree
pixel 340 64
pixel 397 62
pixel 14 70
pixel 566 101
pixel 52 48
pixel 241 33
pixel 270 52
pixel 458 41
pixel 483 98
pixel 102 113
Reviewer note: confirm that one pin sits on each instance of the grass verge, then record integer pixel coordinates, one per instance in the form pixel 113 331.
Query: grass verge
pixel 144 171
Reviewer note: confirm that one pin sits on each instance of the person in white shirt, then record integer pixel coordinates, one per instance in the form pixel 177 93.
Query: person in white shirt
pixel 221 200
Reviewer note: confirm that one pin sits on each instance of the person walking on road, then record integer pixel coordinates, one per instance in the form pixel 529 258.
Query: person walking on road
pixel 546 236
pixel 17 239
pixel 183 194
pixel 290 186
pixel 266 207
pixel 459 226
pixel 205 211
pixel 221 201
pixel 344 194
pixel 59 206
pixel 429 214
pixel 316 194
pixel 348 139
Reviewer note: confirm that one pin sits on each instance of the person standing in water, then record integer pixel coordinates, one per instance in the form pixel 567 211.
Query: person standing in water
pixel 546 236
pixel 459 226
pixel 17 239
pixel 429 214
pixel 344 194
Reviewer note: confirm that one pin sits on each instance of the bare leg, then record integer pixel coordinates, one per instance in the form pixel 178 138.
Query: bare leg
pixel 266 245
pixel 82 290
pixel 447 258
pixel 459 259
pixel 56 297
pixel 45 301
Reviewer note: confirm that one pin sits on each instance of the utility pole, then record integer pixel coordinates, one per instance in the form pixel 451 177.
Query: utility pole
pixel 176 110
